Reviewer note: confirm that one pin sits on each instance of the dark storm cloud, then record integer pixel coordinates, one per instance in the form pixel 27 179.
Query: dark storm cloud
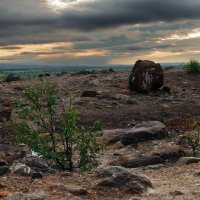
pixel 96 14
pixel 111 13
pixel 106 43
pixel 120 26
pixel 140 47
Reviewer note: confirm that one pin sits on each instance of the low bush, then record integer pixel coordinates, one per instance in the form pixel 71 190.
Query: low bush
pixel 55 135
pixel 191 139
pixel 192 67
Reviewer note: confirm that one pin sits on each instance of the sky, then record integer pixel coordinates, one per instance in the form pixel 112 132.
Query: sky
pixel 81 32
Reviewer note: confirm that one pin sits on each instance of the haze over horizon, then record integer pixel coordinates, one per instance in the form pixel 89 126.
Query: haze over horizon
pixel 99 32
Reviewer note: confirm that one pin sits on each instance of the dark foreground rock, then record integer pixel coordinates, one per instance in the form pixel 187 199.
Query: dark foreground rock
pixel 149 130
pixel 125 181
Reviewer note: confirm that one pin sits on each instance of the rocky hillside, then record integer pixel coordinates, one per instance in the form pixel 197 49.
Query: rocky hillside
pixel 143 158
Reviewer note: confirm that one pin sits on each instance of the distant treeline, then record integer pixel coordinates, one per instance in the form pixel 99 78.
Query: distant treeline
pixel 33 70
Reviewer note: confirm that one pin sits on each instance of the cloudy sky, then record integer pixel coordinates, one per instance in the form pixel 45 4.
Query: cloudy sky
pixel 99 31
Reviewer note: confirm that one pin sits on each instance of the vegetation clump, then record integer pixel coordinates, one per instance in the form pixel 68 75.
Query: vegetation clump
pixel 192 67
pixel 55 135
pixel 191 138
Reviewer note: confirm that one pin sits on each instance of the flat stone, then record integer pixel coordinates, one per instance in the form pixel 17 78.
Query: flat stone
pixel 187 160
pixel 149 130
pixel 126 181
pixel 143 161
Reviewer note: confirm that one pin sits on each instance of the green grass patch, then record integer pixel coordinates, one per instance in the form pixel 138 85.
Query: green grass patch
pixel 193 66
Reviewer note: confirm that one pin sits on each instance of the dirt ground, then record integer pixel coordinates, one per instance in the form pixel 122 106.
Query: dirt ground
pixel 117 107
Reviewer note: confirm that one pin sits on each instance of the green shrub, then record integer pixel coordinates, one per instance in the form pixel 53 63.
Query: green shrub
pixel 191 139
pixel 192 67
pixel 56 137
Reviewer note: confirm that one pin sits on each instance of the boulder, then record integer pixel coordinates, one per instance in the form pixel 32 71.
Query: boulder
pixel 122 179
pixel 13 77
pixel 36 163
pixel 146 76
pixel 187 160
pixel 143 161
pixel 149 130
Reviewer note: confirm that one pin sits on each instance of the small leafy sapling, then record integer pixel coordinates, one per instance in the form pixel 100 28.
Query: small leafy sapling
pixel 53 132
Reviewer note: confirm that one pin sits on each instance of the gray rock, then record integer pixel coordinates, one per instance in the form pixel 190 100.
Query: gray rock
pixel 143 161
pixel 149 130
pixel 36 163
pixel 126 181
pixel 187 160
pixel 20 169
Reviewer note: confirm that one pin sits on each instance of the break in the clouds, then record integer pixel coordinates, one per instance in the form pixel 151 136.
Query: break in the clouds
pixel 98 31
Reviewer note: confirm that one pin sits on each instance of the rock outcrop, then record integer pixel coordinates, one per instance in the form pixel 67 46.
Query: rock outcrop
pixel 149 130
pixel 124 180
pixel 146 76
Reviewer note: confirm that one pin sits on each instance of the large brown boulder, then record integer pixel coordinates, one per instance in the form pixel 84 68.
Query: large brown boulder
pixel 146 76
